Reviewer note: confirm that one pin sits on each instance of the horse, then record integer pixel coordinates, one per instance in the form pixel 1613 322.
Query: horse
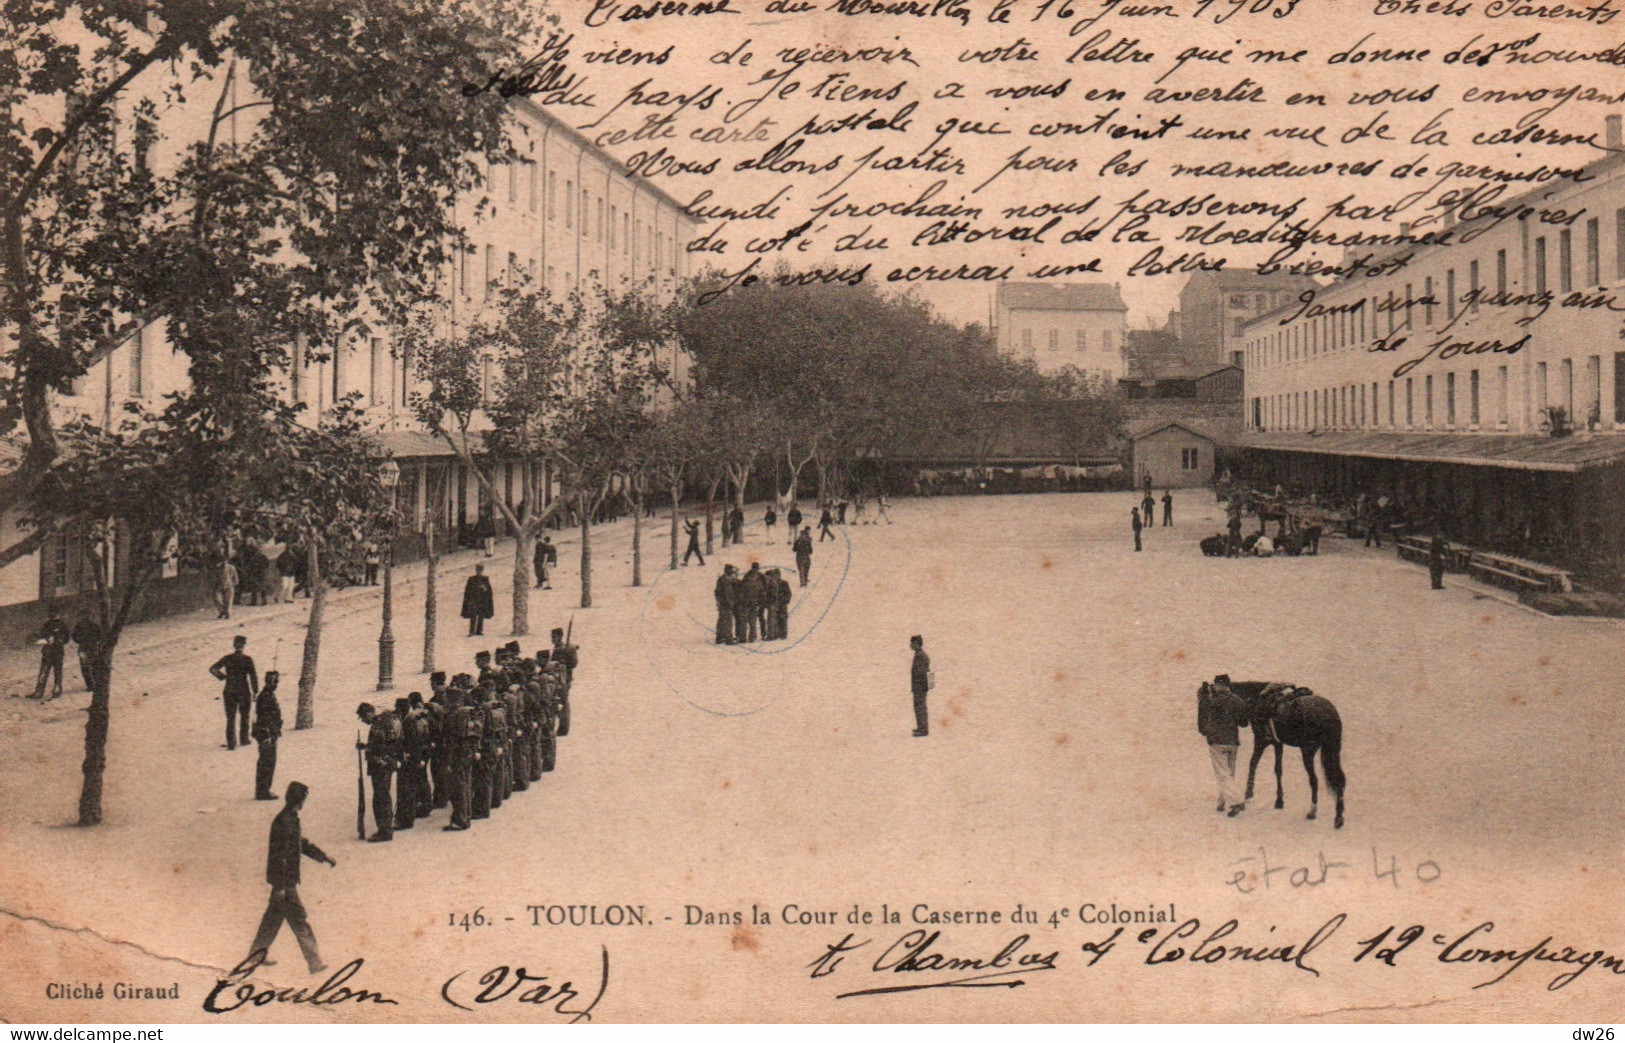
pixel 1284 714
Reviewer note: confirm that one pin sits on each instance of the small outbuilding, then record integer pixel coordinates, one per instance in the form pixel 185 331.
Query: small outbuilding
pixel 1177 454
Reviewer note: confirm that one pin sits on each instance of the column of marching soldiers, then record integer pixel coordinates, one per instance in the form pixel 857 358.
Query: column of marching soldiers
pixel 475 743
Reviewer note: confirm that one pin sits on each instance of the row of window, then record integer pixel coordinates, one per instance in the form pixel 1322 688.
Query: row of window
pixel 1349 406
pixel 1357 322
pixel 1107 340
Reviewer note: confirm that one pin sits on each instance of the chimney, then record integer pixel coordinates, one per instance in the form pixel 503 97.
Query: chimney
pixel 1613 133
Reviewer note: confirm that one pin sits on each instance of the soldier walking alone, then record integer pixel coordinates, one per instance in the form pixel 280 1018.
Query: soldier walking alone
pixel 282 873
pixel 237 671
pixel 919 683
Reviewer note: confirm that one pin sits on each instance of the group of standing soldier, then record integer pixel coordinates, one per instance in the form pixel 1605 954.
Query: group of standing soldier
pixel 475 743
pixel 752 607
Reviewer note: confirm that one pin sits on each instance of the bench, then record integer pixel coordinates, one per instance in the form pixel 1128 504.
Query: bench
pixel 1524 574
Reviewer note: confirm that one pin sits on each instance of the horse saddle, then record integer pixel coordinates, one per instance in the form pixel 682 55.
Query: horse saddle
pixel 1276 700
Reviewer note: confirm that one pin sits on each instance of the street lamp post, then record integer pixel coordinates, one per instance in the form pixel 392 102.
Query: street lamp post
pixel 389 476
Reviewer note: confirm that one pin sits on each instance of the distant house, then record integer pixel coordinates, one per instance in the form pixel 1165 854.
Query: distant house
pixel 1177 454
pixel 1084 325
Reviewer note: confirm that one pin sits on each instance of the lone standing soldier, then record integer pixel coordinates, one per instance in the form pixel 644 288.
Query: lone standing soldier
pixel 267 730
pixel 282 873
pixel 793 520
pixel 1135 521
pixel 479 604
pixel 727 591
pixel 1167 507
pixel 1219 716
pixel 237 671
pixel 1436 551
pixel 803 547
pixel 53 640
pixel 225 587
pixel 383 748
pixel 919 682
pixel 693 529
pixel 1148 510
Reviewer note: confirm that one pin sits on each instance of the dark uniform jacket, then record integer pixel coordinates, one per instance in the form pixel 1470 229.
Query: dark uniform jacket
pixel 282 865
pixel 751 590
pixel 803 547
pixel 1219 717
pixel 727 591
pixel 919 675
pixel 267 716
pixel 384 743
pixel 237 670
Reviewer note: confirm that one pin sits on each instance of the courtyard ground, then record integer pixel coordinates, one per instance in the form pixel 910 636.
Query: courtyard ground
pixel 1482 742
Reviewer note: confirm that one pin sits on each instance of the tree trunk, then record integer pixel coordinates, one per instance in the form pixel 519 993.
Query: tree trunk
pixel 710 507
pixel 523 536
pixel 306 715
pixel 637 543
pixel 586 555
pixel 823 481
pixel 676 502
pixel 96 724
pixel 429 608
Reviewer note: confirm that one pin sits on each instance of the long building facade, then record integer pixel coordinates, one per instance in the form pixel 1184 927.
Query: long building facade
pixel 564 216
pixel 1482 378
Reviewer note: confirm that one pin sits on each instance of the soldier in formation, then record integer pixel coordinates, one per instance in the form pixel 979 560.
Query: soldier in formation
pixel 477 742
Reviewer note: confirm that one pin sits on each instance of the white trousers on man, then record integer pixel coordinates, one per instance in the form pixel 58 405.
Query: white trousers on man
pixel 1224 768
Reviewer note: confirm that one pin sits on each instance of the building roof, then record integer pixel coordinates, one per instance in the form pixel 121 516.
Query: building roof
pixel 1241 279
pixel 1066 296
pixel 584 143
pixel 408 445
pixel 1523 452
pixel 1147 428
pixel 1214 371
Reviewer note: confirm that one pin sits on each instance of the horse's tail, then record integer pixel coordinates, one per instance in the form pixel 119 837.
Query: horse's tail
pixel 1331 751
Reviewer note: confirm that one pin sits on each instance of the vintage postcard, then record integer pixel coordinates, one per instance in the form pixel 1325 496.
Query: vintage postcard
pixel 812 511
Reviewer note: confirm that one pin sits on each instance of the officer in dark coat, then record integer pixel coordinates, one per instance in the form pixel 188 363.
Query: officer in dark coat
pixel 749 607
pixel 267 730
pixel 383 747
pixel 479 604
pixel 794 520
pixel 727 590
pixel 237 671
pixel 282 873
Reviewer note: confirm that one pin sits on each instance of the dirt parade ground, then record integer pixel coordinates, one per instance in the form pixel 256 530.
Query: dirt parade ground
pixel 703 786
